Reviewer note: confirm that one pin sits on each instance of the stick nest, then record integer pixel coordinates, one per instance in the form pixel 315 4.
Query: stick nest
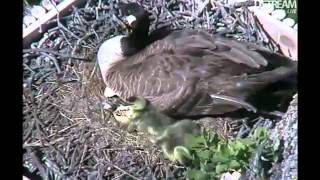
pixel 67 134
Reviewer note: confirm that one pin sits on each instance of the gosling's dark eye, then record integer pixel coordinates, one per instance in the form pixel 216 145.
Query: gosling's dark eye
pixel 132 99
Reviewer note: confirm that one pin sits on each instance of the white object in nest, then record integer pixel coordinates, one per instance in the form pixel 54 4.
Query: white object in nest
pixel 228 176
pixel 38 11
pixel 48 4
pixel 28 20
pixel 25 178
pixel 106 105
pixel 108 92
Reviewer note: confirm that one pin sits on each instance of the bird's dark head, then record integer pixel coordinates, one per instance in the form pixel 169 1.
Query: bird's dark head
pixel 138 22
pixel 136 17
pixel 117 48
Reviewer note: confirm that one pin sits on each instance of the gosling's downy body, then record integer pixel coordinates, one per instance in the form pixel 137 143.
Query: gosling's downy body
pixel 166 132
pixel 191 72
pixel 144 117
pixel 174 140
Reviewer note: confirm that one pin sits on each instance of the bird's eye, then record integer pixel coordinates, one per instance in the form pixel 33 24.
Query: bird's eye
pixel 132 99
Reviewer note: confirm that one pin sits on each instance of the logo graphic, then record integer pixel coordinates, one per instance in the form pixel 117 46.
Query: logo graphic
pixel 289 6
pixel 283 10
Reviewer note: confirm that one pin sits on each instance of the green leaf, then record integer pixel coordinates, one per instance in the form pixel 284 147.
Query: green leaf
pixel 208 167
pixel 212 139
pixel 193 141
pixel 197 175
pixel 204 155
pixel 238 145
pixel 246 141
pixel 224 150
pixel 260 133
pixel 221 168
pixel 219 159
pixel 234 164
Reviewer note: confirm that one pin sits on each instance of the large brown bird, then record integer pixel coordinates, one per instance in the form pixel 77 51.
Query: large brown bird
pixel 190 72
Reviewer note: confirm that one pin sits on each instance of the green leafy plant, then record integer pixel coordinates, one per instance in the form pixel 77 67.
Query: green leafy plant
pixel 213 155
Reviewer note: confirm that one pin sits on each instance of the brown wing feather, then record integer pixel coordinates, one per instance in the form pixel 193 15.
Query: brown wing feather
pixel 239 52
pixel 179 73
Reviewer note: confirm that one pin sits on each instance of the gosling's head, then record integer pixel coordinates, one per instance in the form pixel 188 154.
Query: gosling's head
pixel 128 114
pixel 138 103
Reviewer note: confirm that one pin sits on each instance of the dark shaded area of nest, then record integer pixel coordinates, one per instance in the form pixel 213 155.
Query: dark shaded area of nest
pixel 67 135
